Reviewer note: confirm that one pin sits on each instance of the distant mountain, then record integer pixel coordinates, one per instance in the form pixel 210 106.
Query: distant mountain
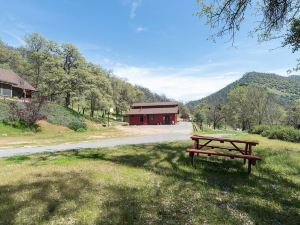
pixel 287 89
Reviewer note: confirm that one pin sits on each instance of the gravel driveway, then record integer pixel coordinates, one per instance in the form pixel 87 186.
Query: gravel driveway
pixel 181 131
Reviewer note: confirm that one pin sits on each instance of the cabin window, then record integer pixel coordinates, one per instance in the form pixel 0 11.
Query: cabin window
pixel 5 90
pixel 141 119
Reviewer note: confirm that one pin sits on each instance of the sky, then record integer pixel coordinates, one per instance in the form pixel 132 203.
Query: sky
pixel 159 44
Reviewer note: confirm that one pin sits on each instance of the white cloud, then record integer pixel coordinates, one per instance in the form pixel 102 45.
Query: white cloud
pixel 184 84
pixel 141 29
pixel 134 4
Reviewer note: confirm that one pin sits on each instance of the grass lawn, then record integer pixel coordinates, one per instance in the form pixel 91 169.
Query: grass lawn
pixel 51 134
pixel 151 184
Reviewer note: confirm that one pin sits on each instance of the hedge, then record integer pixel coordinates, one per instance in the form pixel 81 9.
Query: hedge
pixel 284 133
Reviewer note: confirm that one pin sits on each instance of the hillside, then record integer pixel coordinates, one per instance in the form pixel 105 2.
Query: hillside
pixel 287 89
pixel 60 72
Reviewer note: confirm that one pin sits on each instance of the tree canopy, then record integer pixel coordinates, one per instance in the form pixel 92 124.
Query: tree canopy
pixel 62 74
pixel 227 16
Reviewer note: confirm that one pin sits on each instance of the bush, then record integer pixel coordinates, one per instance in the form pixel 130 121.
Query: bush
pixel 19 124
pixel 22 115
pixel 4 110
pixel 60 115
pixel 259 129
pixel 77 126
pixel 284 133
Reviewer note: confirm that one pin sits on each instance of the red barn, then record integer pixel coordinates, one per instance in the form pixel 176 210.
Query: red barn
pixel 156 113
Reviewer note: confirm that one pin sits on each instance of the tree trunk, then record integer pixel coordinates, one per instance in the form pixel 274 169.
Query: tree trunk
pixel 68 99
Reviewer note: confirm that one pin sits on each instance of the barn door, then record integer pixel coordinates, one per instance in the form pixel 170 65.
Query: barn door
pixel 167 119
pixel 142 119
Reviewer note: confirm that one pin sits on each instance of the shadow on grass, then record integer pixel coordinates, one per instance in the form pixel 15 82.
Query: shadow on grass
pixel 217 191
pixel 267 197
pixel 40 198
pixel 18 159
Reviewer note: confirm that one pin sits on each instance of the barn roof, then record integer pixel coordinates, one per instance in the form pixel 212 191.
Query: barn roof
pixel 9 77
pixel 142 111
pixel 141 104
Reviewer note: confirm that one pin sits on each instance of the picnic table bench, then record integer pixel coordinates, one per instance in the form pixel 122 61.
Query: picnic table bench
pixel 204 147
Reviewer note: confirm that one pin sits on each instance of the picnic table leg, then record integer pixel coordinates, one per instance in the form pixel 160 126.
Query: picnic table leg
pixel 192 158
pixel 249 166
pixel 249 161
pixel 246 152
pixel 196 145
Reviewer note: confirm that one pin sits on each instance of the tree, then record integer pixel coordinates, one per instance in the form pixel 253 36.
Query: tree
pixel 275 114
pixel 215 115
pixel 252 105
pixel 228 15
pixel 241 115
pixel 292 38
pixel 184 112
pixel 60 73
pixel 11 58
pixel 99 91
pixel 37 53
pixel 293 118
pixel 72 61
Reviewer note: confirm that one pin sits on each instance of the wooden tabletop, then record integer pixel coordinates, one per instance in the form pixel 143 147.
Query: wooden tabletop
pixel 202 137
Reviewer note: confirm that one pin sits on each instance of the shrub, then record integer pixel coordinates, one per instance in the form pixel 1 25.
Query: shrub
pixel 81 130
pixel 258 129
pixel 60 115
pixel 25 115
pixel 4 110
pixel 77 126
pixel 284 133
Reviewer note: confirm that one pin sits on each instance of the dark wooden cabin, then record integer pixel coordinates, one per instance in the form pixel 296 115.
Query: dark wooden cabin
pixel 12 85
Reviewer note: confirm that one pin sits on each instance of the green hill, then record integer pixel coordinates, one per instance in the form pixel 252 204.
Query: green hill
pixel 287 89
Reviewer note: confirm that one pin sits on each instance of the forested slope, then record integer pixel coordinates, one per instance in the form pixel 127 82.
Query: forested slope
pixel 286 89
pixel 62 74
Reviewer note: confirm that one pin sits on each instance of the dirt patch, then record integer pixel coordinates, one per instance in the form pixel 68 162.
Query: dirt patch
pixel 48 126
pixel 142 130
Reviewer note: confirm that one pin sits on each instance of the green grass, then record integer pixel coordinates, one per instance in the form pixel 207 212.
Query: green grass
pixel 151 184
pixel 6 130
pixel 51 134
pixel 208 130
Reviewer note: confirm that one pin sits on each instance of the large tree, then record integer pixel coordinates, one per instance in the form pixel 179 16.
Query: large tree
pixel 37 54
pixel 251 105
pixel 271 16
pixel 73 65
pixel 293 118
pixel 292 38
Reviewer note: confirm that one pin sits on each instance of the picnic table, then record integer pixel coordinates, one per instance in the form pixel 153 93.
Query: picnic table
pixel 203 144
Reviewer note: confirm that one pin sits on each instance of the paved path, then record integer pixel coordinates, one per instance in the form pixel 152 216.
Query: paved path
pixel 182 131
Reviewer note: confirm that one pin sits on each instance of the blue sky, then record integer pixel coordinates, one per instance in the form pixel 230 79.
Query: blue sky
pixel 159 44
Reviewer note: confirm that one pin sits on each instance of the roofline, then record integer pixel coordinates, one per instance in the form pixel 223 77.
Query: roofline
pixel 14 85
pixel 154 103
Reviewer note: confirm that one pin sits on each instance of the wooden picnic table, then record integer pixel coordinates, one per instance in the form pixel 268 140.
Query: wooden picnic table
pixel 203 144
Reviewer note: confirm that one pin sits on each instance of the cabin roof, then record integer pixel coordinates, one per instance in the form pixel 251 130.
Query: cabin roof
pixel 141 111
pixel 141 104
pixel 10 77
